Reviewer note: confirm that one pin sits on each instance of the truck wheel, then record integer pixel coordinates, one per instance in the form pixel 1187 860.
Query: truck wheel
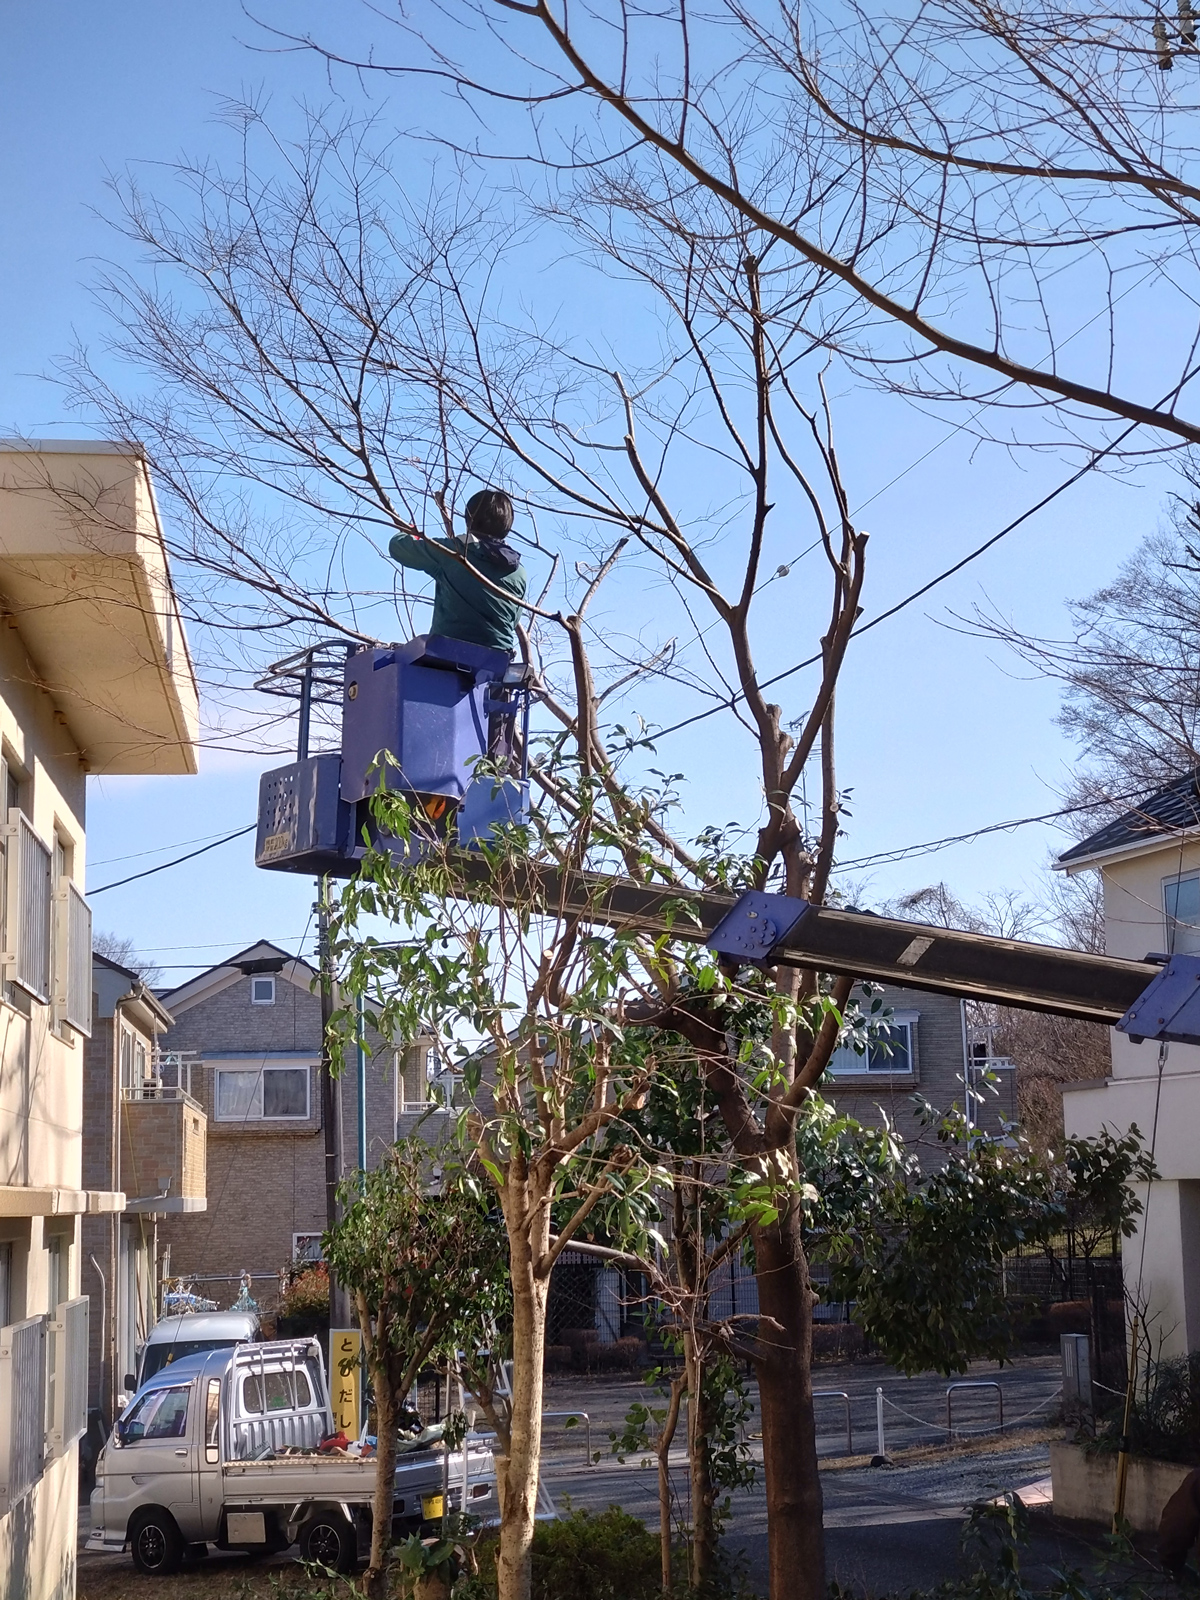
pixel 328 1540
pixel 155 1543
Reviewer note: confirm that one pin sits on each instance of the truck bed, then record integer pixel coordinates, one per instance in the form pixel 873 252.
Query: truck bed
pixel 289 1478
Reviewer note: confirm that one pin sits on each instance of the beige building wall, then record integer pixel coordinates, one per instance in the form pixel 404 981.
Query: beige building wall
pixel 41 1118
pixel 41 1078
pixel 1162 1259
pixel 94 677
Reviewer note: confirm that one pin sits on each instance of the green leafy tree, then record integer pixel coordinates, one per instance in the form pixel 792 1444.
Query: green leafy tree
pixel 699 1222
pixel 1095 1181
pixel 920 1247
pixel 526 1001
pixel 423 1262
pixel 921 1252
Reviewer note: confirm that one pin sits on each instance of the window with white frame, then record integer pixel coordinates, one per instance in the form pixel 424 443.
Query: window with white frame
pixel 71 945
pixel 262 1093
pixel 1181 909
pixel 58 1274
pixel 416 1073
pixel 135 1063
pixel 890 1051
pixel 262 991
pixel 26 892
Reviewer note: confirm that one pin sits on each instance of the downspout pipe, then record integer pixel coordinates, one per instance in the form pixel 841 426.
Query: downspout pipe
pixel 106 1361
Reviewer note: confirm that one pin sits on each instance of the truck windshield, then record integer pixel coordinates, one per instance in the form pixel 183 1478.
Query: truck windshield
pixel 161 1414
pixel 158 1356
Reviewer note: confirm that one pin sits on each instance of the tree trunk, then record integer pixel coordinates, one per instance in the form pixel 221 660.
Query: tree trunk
pixel 527 1244
pixel 700 1421
pixel 795 1538
pixel 665 1440
pixel 432 1586
pixel 375 1580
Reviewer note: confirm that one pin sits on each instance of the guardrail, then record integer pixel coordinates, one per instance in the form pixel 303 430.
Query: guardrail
pixel 576 1416
pixel 983 1383
pixel 839 1394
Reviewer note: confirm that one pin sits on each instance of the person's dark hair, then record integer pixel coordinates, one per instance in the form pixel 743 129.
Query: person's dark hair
pixel 489 514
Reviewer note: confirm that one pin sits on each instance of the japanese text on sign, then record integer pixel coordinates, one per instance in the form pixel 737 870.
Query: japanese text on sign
pixel 345 1380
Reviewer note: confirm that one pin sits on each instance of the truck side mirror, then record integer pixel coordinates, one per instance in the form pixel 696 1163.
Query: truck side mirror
pixel 130 1382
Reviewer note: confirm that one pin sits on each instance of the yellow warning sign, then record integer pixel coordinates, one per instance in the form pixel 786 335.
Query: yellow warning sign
pixel 345 1380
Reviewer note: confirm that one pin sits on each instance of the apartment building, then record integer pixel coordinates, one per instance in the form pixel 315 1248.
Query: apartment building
pixel 146 1136
pixel 95 677
pixel 246 1040
pixel 1149 863
pixel 928 1050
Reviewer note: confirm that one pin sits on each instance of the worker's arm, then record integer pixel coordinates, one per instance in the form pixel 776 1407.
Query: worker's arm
pixel 422 554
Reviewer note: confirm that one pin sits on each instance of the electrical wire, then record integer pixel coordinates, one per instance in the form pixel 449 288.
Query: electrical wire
pixel 1094 461
pixel 178 861
pixel 140 855
pixel 903 852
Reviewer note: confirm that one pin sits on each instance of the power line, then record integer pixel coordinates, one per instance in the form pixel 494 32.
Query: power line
pixel 901 852
pixel 731 703
pixel 139 855
pixel 178 861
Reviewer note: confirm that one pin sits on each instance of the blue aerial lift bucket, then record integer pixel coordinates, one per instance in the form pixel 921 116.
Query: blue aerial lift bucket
pixel 417 718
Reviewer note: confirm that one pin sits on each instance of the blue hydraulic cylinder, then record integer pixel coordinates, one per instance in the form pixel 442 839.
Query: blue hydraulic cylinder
pixel 1169 1007
pixel 751 928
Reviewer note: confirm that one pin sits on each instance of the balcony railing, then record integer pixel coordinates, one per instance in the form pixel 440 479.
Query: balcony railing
pixel 151 1089
pixel 982 1064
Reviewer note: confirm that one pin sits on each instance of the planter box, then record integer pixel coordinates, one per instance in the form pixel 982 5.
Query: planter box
pixel 1085 1486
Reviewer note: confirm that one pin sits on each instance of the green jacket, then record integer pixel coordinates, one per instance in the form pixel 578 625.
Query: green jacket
pixel 463 607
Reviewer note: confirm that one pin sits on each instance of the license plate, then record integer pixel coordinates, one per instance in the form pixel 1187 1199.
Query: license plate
pixel 432 1507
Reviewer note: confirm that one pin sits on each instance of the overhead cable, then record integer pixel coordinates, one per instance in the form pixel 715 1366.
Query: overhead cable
pixel 178 861
pixel 810 661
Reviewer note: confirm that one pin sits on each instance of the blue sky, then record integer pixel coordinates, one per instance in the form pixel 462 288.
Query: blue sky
pixel 940 733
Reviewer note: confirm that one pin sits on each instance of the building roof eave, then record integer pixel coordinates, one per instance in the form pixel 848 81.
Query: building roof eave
pixel 1125 852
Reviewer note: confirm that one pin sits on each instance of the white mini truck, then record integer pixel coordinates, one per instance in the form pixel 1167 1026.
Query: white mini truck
pixel 221 1448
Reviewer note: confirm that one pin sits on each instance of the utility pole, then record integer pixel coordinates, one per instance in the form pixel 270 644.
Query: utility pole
pixel 360 1039
pixel 330 1121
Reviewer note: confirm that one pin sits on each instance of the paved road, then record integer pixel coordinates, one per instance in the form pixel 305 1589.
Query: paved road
pixel 887 1529
pixel 914 1408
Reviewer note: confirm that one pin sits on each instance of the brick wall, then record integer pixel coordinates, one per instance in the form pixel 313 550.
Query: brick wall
pixel 163 1146
pixel 266 1180
pixel 99 1084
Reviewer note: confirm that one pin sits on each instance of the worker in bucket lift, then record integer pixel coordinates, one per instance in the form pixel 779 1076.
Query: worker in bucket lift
pixel 465 606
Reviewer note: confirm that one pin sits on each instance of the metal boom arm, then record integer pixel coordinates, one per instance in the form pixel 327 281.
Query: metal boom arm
pixel 974 966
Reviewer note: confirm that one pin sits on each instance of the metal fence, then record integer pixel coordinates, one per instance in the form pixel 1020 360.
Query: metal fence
pixel 1052 1279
